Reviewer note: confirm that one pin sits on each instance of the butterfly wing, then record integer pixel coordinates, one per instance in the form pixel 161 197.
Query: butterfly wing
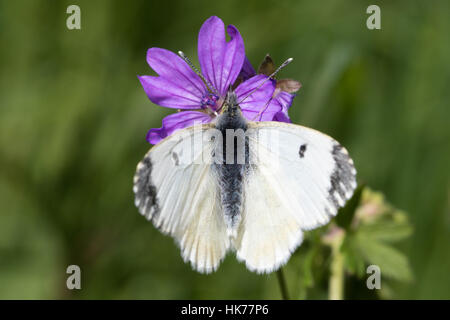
pixel 297 181
pixel 175 188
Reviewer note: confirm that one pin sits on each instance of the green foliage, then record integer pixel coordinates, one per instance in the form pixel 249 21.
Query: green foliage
pixel 375 227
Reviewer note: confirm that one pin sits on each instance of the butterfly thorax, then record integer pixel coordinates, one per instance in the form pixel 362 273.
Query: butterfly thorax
pixel 230 172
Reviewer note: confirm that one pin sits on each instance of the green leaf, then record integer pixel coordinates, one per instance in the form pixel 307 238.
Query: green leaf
pixel 386 231
pixel 353 260
pixel 392 262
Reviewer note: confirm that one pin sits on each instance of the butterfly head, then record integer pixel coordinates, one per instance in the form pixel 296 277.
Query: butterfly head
pixel 231 105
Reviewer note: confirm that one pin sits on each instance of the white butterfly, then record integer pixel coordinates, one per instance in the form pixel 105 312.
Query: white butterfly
pixel 296 180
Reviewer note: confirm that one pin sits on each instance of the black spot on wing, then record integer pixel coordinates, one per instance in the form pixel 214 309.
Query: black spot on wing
pixel 302 150
pixel 144 189
pixel 175 158
pixel 343 177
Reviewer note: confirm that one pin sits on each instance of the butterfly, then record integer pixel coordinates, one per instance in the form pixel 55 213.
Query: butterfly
pixel 290 179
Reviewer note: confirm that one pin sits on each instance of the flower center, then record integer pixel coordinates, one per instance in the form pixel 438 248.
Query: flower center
pixel 209 100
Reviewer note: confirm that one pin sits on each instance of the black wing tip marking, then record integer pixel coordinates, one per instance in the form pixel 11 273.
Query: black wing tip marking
pixel 343 177
pixel 144 190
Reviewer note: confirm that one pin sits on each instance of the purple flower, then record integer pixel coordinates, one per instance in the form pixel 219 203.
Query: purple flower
pixel 283 94
pixel 221 62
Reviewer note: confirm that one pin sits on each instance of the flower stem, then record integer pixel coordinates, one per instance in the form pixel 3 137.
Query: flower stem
pixel 336 282
pixel 282 283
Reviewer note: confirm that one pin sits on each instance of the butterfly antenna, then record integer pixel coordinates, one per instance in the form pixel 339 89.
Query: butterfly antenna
pixel 207 83
pixel 284 64
pixel 263 109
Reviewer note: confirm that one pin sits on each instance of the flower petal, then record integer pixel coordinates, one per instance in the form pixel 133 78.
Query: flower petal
pixel 177 85
pixel 170 66
pixel 256 107
pixel 233 59
pixel 168 94
pixel 282 117
pixel 247 70
pixel 284 99
pixel 174 122
pixel 220 61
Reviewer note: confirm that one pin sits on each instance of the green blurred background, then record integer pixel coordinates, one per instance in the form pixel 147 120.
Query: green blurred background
pixel 73 120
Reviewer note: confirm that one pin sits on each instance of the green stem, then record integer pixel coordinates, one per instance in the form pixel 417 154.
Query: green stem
pixel 336 282
pixel 282 283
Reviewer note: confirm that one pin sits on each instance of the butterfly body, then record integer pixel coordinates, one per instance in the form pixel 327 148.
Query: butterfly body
pixel 230 174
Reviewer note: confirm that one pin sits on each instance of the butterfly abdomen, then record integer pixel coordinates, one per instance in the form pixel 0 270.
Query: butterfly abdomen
pixel 230 182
